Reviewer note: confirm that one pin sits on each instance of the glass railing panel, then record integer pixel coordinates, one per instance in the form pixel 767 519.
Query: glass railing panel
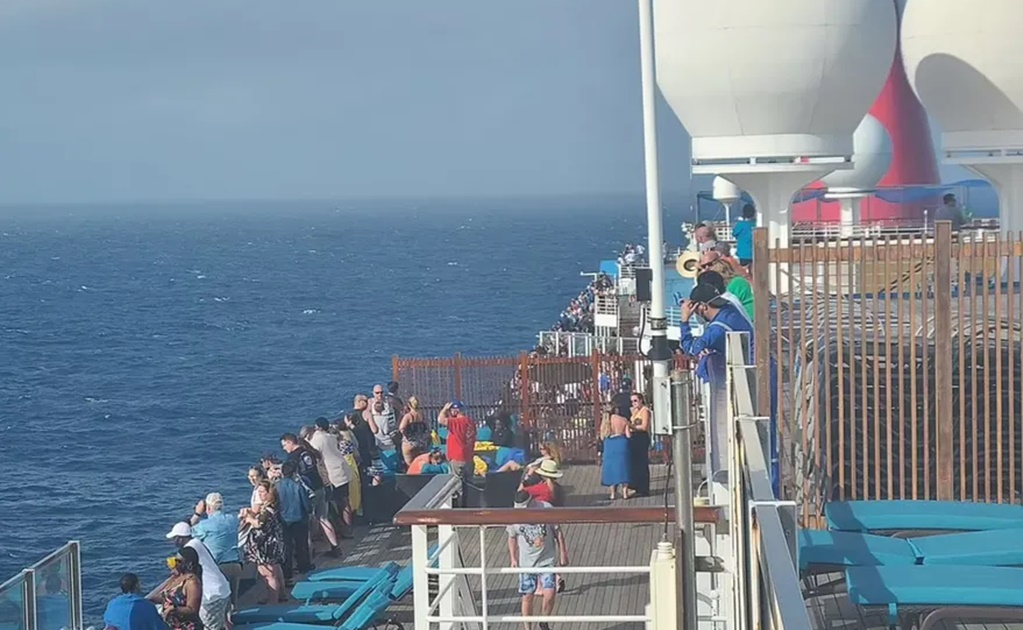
pixel 12 603
pixel 54 588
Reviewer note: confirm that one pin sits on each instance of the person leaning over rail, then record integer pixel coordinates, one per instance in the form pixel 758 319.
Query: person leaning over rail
pixel 722 317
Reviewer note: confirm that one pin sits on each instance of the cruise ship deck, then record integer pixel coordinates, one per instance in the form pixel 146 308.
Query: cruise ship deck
pixel 597 545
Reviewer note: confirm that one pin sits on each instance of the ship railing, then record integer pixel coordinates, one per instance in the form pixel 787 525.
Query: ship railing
pixel 444 536
pixel 605 304
pixel 579 344
pixel 47 595
pixel 763 529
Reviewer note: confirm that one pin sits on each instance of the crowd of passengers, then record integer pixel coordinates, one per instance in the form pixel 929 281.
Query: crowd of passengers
pixel 578 315
pixel 315 490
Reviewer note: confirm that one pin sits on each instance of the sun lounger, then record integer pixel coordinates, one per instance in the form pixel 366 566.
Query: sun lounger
pixel 874 516
pixel 342 574
pixel 935 594
pixel 316 613
pixel 821 550
pixel 361 617
pixel 326 591
pixel 354 574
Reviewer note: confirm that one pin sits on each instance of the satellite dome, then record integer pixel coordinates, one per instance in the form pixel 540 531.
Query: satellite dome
pixel 963 61
pixel 750 78
pixel 872 155
pixel 725 191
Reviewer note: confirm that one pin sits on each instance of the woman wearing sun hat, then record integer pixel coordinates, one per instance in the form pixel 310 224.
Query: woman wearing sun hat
pixel 542 485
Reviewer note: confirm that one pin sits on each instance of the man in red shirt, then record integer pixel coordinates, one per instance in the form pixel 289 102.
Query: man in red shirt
pixel 461 438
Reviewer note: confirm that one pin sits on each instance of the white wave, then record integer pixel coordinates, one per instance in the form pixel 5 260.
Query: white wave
pixel 200 277
pixel 310 311
pixel 453 263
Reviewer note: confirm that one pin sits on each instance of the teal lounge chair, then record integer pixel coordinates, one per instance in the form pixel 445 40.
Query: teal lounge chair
pixel 362 617
pixel 929 596
pixel 316 613
pixel 355 574
pixel 325 591
pixel 893 516
pixel 345 574
pixel 821 550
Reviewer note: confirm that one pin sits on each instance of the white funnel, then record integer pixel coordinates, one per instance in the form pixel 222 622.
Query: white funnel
pixel 963 61
pixel 789 82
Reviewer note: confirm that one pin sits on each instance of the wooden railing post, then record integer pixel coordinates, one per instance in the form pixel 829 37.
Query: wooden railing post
pixel 458 375
pixel 525 418
pixel 394 368
pixel 943 413
pixel 762 319
pixel 595 391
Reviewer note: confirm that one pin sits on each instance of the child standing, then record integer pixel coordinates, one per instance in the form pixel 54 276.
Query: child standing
pixel 742 232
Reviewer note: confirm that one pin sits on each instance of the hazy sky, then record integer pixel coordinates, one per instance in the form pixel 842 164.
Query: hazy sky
pixel 140 99
pixel 184 99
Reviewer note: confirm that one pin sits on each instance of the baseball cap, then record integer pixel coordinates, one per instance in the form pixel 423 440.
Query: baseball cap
pixel 708 294
pixel 457 404
pixel 180 530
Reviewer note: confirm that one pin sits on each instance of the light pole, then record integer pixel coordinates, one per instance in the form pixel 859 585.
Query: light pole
pixel 658 354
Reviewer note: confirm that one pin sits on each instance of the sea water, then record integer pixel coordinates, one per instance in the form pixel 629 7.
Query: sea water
pixel 150 354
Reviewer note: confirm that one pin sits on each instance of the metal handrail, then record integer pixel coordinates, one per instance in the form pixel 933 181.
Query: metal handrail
pixel 763 529
pixel 706 514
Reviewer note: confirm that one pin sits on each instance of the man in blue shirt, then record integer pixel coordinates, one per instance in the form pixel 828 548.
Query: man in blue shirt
pixel 707 301
pixel 295 510
pixel 722 317
pixel 131 611
pixel 218 530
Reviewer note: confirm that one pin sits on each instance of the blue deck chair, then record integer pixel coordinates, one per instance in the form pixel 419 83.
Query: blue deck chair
pixel 874 516
pixel 315 613
pixel 354 574
pixel 343 574
pixel 821 550
pixel 362 617
pixel 335 590
pixel 935 594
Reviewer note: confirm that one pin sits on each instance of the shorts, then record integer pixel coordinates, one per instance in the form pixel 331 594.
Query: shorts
pixel 528 582
pixel 214 614
pixel 339 495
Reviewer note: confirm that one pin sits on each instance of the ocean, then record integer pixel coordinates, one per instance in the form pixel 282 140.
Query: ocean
pixel 149 354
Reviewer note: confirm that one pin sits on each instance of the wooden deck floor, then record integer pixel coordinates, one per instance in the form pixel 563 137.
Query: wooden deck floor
pixel 589 545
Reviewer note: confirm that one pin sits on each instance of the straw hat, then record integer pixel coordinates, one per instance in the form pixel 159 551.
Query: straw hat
pixel 549 468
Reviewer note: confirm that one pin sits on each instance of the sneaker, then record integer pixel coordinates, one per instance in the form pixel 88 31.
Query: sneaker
pixel 561 585
pixel 545 626
pixel 335 552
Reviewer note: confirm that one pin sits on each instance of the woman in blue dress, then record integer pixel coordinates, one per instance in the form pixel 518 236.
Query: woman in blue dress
pixel 615 465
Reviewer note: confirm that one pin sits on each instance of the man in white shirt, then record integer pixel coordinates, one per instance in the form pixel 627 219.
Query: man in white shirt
pixel 338 471
pixel 216 590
